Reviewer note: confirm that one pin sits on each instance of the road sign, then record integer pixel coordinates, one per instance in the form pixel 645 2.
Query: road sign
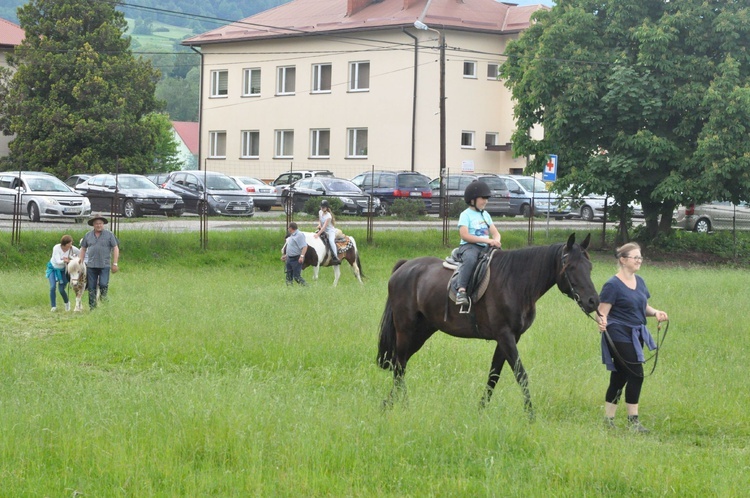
pixel 550 169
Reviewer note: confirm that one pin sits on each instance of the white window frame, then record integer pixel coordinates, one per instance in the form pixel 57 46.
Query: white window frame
pixel 354 149
pixel 467 139
pixel 320 73
pixel 249 140
pixel 217 144
pixel 355 76
pixel 320 149
pixel 219 88
pixel 491 138
pixel 285 75
pixel 247 82
pixel 496 76
pixel 283 144
pixel 470 69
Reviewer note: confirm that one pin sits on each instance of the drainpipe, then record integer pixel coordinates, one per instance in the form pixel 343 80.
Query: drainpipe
pixel 200 108
pixel 414 98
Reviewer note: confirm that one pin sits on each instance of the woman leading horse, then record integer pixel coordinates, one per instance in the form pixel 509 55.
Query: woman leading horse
pixel 417 306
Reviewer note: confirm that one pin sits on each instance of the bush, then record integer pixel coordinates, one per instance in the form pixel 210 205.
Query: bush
pixel 312 206
pixel 408 209
pixel 696 246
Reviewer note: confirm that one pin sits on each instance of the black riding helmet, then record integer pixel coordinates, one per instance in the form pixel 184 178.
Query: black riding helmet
pixel 324 204
pixel 476 189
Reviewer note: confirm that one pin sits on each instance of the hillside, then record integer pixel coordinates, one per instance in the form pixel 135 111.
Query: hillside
pixel 195 15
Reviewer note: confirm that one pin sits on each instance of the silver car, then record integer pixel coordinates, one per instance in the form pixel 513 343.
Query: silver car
pixel 713 216
pixel 42 196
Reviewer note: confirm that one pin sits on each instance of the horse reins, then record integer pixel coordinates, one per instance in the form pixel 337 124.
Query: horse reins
pixel 659 336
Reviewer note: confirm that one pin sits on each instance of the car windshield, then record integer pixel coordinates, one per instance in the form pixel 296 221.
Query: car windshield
pixel 250 181
pixel 494 183
pixel 341 186
pixel 532 184
pixel 136 182
pixel 216 182
pixel 46 184
pixel 413 181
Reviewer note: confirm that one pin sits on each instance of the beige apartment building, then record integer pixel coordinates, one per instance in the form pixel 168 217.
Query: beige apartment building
pixel 353 85
pixel 11 35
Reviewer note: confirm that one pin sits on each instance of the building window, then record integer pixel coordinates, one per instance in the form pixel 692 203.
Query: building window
pixel 217 147
pixel 321 78
pixel 251 82
pixel 284 144
pixel 320 143
pixel 493 71
pixel 467 139
pixel 470 69
pixel 285 80
pixel 250 144
pixel 220 83
pixel 359 76
pixel 356 146
pixel 490 139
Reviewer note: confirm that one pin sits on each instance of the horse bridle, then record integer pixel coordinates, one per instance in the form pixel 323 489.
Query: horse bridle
pixel 659 336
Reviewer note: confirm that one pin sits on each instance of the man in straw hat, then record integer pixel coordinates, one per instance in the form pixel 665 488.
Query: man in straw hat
pixel 96 248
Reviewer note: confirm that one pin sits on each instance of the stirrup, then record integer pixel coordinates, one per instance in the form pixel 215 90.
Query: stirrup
pixel 465 308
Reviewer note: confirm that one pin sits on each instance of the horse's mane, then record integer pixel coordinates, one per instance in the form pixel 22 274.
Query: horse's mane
pixel 527 269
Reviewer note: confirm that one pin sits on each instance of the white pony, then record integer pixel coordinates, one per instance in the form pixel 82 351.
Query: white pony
pixel 77 273
pixel 318 256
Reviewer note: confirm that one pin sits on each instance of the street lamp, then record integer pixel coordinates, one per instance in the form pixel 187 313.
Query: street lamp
pixel 441 40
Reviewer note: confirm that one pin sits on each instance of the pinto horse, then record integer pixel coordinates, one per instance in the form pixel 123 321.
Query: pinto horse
pixel 77 273
pixel 320 257
pixel 418 306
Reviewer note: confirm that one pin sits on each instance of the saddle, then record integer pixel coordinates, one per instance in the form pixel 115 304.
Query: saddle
pixel 479 280
pixel 343 242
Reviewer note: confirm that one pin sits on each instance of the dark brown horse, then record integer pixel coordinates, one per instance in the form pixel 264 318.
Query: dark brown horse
pixel 416 306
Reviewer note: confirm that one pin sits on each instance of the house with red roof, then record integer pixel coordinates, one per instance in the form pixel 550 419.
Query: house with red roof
pixel 11 35
pixel 186 135
pixel 354 85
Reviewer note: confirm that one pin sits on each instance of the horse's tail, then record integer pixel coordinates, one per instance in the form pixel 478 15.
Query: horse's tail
pixel 356 258
pixel 387 344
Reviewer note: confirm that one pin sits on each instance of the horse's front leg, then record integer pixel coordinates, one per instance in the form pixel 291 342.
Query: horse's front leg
pixel 523 380
pixel 316 270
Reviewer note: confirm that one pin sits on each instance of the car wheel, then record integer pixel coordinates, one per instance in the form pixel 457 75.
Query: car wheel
pixel 383 209
pixel 526 210
pixel 702 226
pixel 203 208
pixel 129 209
pixel 587 213
pixel 34 212
pixel 265 209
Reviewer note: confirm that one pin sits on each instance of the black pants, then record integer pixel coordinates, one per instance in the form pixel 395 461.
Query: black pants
pixel 628 376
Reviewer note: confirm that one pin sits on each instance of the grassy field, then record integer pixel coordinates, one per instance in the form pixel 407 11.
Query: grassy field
pixel 206 376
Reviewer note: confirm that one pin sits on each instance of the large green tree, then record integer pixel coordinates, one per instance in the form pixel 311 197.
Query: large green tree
pixel 646 101
pixel 79 101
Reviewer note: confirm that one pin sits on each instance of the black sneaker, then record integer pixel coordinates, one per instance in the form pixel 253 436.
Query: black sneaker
pixel 635 425
pixel 461 298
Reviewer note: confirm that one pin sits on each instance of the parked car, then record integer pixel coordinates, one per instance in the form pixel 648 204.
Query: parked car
pixel 355 201
pixel 42 196
pixel 158 178
pixel 210 192
pixel 526 191
pixel 264 195
pixel 136 195
pixel 455 185
pixel 74 180
pixel 391 185
pixel 589 206
pixel 283 181
pixel 713 216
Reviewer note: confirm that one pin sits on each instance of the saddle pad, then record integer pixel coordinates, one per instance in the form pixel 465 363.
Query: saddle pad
pixel 343 244
pixel 480 286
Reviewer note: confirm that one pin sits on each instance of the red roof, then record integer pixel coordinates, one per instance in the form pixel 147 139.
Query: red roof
pixel 11 35
pixel 188 132
pixel 305 17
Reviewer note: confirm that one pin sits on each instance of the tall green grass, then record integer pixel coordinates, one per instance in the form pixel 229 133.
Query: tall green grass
pixel 206 376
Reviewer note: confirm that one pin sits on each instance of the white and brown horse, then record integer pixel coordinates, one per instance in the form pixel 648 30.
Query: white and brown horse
pixel 347 250
pixel 77 274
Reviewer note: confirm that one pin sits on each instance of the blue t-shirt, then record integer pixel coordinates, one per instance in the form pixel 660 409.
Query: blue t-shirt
pixel 477 223
pixel 628 307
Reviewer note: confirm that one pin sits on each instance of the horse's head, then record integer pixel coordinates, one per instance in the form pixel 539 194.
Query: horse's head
pixel 574 277
pixel 75 270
